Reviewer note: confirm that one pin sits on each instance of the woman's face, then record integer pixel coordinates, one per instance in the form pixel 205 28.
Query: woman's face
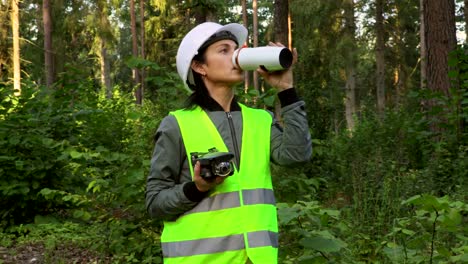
pixel 218 68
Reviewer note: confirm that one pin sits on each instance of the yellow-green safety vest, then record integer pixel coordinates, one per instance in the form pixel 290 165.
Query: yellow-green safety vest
pixel 238 219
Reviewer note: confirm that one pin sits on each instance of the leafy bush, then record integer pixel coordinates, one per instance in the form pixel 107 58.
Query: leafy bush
pixel 31 155
pixel 310 233
pixel 435 231
pixel 71 153
pixel 366 174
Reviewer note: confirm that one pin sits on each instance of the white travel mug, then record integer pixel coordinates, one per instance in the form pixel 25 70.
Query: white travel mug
pixel 268 58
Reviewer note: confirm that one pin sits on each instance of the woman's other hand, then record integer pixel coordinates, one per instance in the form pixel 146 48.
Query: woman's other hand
pixel 281 80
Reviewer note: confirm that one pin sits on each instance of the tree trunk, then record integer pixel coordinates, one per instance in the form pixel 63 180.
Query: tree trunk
pixel 211 16
pixel 142 46
pixel 103 34
pixel 379 56
pixel 465 12
pixel 105 70
pixel 440 39
pixel 16 47
pixel 350 55
pixel 245 21
pixel 135 72
pixel 255 39
pixel 400 81
pixel 281 25
pixel 281 34
pixel 5 57
pixel 440 36
pixel 401 72
pixel 48 51
pixel 289 29
pixel 422 44
pixel 203 14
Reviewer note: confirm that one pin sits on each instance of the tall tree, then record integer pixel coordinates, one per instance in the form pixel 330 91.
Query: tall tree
pixel 379 55
pixel 350 63
pixel 255 38
pixel 16 47
pixel 135 72
pixel 316 30
pixel 48 51
pixel 422 45
pixel 245 21
pixel 465 13
pixel 142 45
pixel 105 69
pixel 289 29
pixel 401 39
pixel 281 25
pixel 5 57
pixel 281 33
pixel 440 39
pixel 205 10
pixel 104 36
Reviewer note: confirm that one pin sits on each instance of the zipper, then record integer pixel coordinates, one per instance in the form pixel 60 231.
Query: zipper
pixel 234 139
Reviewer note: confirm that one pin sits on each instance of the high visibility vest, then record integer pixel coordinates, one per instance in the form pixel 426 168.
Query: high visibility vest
pixel 238 219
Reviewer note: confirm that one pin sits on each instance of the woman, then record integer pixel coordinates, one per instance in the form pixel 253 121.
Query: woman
pixel 228 219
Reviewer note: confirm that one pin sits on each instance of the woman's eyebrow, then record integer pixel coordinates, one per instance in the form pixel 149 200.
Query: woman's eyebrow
pixel 226 45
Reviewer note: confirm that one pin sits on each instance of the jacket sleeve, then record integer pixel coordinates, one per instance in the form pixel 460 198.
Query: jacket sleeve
pixel 291 141
pixel 170 191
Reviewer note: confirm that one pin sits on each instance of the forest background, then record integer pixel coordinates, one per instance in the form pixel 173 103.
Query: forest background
pixel 85 83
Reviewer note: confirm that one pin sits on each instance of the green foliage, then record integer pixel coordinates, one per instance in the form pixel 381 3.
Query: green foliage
pixel 31 155
pixel 73 154
pixel 64 242
pixel 436 231
pixel 310 233
pixel 457 120
pixel 367 173
pixel 165 84
pixel 255 98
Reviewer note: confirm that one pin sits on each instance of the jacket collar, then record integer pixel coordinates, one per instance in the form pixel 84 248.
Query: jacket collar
pixel 212 105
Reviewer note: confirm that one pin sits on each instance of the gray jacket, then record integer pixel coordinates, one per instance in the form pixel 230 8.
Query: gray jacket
pixel 170 190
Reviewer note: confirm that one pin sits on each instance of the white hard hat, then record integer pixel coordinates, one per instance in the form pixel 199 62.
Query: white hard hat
pixel 189 46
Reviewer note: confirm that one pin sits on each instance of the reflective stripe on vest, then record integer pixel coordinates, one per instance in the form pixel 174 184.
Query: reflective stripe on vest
pixel 203 246
pixel 238 219
pixel 232 199
pixel 219 244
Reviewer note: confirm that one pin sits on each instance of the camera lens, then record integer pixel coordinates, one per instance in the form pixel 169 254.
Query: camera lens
pixel 223 169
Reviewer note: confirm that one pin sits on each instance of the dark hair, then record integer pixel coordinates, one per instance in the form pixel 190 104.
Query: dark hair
pixel 200 95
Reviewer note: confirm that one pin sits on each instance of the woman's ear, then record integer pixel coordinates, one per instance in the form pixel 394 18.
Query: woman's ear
pixel 198 67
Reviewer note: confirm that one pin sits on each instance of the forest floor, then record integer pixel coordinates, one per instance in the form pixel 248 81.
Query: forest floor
pixel 37 253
